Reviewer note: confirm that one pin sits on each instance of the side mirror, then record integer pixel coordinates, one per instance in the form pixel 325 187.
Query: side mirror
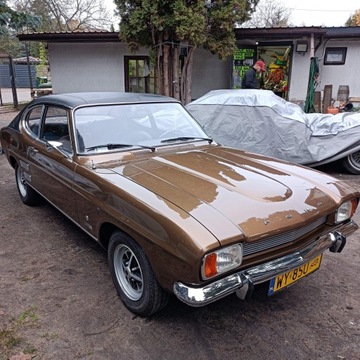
pixel 55 144
pixel 59 146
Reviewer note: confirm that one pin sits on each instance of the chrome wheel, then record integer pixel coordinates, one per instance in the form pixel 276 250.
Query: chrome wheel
pixel 21 182
pixel 27 194
pixel 133 276
pixel 355 159
pixel 128 272
pixel 352 163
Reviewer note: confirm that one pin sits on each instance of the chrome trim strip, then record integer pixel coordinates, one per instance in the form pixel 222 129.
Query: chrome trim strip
pixel 200 296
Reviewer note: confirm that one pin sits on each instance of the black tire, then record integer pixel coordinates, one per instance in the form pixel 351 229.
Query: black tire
pixel 133 277
pixel 27 194
pixel 352 163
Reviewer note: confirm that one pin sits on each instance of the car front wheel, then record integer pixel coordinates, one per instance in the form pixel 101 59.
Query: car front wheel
pixel 133 276
pixel 352 163
pixel 27 194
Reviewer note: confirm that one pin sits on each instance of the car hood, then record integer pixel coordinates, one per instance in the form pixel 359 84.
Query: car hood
pixel 231 192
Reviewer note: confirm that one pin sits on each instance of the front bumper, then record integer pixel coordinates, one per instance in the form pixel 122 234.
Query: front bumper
pixel 243 281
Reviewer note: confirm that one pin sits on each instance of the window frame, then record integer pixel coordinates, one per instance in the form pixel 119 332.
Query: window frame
pixel 339 52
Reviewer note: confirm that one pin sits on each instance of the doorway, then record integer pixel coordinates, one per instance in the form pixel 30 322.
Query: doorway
pixel 139 75
pixel 277 60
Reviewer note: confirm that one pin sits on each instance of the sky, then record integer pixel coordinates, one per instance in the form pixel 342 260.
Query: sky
pixel 310 12
pixel 321 12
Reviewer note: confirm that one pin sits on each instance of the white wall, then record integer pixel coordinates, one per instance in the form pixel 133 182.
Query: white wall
pixel 209 73
pixel 299 77
pixel 88 66
pixel 100 67
pixel 347 74
pixel 335 75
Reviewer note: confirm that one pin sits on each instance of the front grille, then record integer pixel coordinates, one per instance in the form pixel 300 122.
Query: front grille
pixel 281 239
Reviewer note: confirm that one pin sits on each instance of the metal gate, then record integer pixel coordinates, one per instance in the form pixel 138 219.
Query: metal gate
pixel 15 82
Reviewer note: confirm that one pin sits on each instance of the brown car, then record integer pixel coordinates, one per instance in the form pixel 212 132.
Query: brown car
pixel 176 212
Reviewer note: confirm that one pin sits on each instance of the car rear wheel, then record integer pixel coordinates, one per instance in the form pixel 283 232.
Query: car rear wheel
pixel 133 276
pixel 352 163
pixel 27 194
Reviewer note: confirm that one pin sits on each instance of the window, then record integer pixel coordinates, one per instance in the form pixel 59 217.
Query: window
pixel 139 75
pixel 335 56
pixel 56 127
pixel 33 119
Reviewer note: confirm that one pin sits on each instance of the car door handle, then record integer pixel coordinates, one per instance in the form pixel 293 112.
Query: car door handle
pixel 32 151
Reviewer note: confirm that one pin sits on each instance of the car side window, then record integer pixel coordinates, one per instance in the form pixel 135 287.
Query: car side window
pixel 56 128
pixel 33 119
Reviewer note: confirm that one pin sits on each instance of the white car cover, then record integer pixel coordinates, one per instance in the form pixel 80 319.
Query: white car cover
pixel 260 121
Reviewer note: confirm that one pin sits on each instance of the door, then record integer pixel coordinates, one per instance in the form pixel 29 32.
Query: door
pixel 139 75
pixel 277 58
pixel 52 171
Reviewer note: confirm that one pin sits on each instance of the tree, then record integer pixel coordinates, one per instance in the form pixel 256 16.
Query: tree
pixel 354 20
pixel 171 26
pixel 269 13
pixel 68 15
pixel 12 21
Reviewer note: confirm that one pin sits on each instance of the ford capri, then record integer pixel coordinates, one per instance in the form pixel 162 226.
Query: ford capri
pixel 176 212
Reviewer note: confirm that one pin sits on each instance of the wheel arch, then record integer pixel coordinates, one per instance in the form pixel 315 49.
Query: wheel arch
pixel 105 232
pixel 12 161
pixel 154 253
pixel 107 229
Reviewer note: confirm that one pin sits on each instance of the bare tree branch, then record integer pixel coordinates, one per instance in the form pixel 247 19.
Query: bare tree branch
pixel 269 13
pixel 68 15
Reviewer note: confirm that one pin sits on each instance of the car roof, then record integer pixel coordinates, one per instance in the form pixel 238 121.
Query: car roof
pixel 73 100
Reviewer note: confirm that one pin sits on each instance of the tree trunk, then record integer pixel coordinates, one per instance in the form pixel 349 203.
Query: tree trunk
pixel 186 77
pixel 159 75
pixel 166 79
pixel 175 73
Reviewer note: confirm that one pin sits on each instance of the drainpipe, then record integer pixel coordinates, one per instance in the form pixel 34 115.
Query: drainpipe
pixel 312 46
pixel 313 73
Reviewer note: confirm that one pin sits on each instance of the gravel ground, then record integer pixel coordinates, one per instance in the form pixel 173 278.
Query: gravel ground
pixel 57 301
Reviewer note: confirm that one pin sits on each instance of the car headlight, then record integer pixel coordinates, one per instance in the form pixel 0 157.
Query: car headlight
pixel 345 211
pixel 221 261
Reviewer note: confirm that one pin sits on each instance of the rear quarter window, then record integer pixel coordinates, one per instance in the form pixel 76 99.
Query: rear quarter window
pixel 33 119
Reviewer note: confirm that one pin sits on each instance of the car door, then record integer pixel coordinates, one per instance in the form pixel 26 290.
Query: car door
pixel 52 169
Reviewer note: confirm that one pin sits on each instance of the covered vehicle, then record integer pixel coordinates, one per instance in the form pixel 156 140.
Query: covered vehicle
pixel 262 122
pixel 176 212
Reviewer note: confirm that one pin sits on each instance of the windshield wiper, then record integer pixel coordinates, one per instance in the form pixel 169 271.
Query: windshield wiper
pixel 184 138
pixel 112 146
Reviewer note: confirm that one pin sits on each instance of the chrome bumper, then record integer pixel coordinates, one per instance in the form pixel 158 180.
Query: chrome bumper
pixel 243 281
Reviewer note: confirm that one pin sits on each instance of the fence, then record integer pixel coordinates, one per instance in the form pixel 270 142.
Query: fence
pixel 16 82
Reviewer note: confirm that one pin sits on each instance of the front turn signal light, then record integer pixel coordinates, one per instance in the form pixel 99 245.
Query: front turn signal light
pixel 221 261
pixel 346 210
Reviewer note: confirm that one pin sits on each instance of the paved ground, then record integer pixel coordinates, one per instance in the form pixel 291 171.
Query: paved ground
pixel 57 301
pixel 6 96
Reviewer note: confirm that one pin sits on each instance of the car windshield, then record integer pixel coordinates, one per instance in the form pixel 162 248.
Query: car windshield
pixel 105 128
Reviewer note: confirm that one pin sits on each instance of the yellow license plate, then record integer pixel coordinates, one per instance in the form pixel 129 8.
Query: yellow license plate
pixel 282 281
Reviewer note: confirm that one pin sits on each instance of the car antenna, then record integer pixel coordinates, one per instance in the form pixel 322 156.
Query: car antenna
pixel 93 167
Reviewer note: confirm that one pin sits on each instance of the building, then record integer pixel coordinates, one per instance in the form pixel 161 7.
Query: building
pixel 99 61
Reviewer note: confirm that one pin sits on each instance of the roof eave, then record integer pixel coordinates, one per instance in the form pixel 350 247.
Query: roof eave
pixel 67 36
pixel 278 33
